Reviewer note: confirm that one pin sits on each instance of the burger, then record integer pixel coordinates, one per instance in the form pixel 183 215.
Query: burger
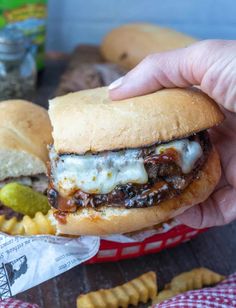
pixel 25 131
pixel 121 166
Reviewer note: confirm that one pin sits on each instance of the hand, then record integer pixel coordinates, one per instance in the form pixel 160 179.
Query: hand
pixel 211 65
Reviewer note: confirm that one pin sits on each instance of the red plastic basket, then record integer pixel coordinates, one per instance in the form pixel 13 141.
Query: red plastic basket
pixel 113 251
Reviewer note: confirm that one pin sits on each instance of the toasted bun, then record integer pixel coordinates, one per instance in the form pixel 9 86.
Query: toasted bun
pixel 129 44
pixel 89 121
pixel 25 131
pixel 110 220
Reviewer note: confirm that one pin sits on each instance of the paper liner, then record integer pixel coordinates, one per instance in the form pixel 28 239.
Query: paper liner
pixel 28 261
pixel 141 235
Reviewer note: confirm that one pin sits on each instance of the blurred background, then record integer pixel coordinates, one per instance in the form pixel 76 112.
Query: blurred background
pixel 49 48
pixel 78 21
pixel 73 39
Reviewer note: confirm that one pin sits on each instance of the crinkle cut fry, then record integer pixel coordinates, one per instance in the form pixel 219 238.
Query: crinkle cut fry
pixel 140 289
pixel 194 279
pixel 164 295
pixel 39 224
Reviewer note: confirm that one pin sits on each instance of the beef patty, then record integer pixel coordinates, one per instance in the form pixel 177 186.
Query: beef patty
pixel 165 180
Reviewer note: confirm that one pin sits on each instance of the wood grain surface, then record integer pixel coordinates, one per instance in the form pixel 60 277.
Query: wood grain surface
pixel 215 249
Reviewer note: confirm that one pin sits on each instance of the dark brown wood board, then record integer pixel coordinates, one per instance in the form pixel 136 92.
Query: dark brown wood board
pixel 215 249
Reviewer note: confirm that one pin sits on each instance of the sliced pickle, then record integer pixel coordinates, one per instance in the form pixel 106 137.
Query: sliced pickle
pixel 23 199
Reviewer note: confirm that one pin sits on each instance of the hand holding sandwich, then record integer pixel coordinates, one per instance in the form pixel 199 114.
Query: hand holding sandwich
pixel 211 65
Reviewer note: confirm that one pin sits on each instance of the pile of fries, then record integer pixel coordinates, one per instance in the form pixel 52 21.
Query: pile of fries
pixel 39 224
pixel 144 288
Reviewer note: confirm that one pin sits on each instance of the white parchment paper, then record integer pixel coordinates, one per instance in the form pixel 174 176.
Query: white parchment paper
pixel 141 235
pixel 28 261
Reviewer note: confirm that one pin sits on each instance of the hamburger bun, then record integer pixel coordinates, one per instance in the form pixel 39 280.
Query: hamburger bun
pixel 110 220
pixel 129 44
pixel 25 132
pixel 89 121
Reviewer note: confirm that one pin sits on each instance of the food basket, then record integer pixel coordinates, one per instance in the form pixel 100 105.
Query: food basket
pixel 114 251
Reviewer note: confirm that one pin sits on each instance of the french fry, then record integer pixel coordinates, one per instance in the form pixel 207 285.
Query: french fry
pixel 163 295
pixel 11 226
pixel 40 224
pixel 195 279
pixel 140 289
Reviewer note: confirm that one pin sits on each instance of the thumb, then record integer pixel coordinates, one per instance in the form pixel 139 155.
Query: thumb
pixel 156 71
pixel 218 210
pixel 210 64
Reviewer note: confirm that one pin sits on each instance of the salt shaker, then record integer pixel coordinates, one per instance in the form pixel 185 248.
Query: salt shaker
pixel 17 66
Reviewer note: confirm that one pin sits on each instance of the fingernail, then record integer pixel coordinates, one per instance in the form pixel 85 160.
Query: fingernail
pixel 115 84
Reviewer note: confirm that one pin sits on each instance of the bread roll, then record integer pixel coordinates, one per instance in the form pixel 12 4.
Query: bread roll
pixel 25 132
pixel 129 44
pixel 89 121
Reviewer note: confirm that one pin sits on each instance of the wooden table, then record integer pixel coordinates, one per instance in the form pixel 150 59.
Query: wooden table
pixel 215 249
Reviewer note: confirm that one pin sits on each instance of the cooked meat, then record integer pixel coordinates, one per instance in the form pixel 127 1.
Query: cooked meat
pixel 38 182
pixel 166 179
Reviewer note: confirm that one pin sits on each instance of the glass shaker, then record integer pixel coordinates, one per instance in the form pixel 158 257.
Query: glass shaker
pixel 17 66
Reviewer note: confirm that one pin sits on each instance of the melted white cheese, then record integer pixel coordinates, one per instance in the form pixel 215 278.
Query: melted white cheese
pixel 189 151
pixel 99 173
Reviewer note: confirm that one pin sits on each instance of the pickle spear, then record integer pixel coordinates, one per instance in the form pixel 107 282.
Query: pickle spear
pixel 23 199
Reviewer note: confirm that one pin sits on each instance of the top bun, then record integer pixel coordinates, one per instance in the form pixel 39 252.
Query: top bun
pixel 129 44
pixel 89 121
pixel 25 131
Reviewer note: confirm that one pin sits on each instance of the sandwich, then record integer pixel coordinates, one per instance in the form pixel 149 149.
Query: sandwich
pixel 128 44
pixel 25 131
pixel 122 166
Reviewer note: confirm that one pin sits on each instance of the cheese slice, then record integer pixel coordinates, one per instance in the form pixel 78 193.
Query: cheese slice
pixel 101 173
pixel 190 152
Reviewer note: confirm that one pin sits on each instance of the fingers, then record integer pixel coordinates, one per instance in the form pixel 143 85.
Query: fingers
pixel 218 210
pixel 153 73
pixel 210 64
pixel 192 217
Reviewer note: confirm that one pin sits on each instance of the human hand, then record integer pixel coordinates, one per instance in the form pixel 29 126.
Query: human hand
pixel 210 64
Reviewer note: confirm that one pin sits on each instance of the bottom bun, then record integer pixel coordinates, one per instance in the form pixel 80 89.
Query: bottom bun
pixel 114 220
